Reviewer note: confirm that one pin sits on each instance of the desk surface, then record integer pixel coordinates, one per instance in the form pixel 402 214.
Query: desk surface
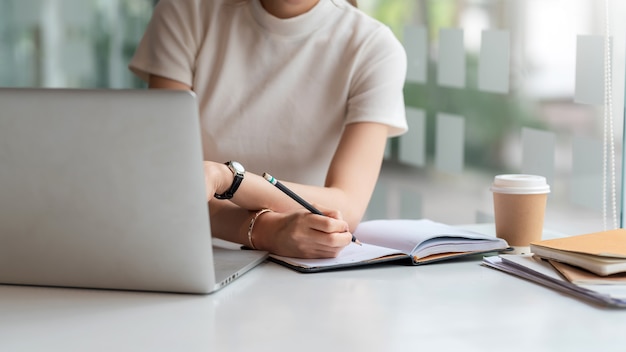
pixel 447 306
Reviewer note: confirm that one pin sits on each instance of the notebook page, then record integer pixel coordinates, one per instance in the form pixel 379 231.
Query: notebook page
pixel 353 253
pixel 405 235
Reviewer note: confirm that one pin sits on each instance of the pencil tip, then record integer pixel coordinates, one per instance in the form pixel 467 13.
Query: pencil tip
pixel 358 242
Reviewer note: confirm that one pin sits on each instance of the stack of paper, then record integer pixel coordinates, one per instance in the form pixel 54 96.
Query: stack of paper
pixel 590 266
pixel 541 271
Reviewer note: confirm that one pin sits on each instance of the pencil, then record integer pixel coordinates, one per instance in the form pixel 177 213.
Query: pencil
pixel 299 199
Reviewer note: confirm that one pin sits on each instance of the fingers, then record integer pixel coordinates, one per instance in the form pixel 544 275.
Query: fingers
pixel 324 245
pixel 328 236
pixel 327 224
pixel 330 241
pixel 332 213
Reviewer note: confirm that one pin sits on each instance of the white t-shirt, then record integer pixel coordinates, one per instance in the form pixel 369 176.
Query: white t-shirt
pixel 275 94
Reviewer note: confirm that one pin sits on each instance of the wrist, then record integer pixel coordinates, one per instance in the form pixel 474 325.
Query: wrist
pixel 218 176
pixel 238 172
pixel 260 230
pixel 224 178
pixel 253 221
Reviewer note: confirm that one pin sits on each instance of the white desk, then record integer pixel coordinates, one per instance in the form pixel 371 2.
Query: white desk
pixel 448 306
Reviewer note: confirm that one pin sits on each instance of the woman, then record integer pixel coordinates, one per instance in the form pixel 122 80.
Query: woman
pixel 307 90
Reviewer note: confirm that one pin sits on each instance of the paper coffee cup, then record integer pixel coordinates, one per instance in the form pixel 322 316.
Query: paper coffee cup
pixel 519 207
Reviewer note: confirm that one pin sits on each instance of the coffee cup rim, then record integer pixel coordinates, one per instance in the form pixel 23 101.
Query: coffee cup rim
pixel 520 184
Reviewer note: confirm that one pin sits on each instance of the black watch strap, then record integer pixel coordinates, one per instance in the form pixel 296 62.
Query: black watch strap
pixel 238 173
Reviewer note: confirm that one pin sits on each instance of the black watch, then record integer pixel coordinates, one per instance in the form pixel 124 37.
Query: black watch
pixel 238 172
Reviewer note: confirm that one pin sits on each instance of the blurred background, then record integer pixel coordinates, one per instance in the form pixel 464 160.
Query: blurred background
pixel 493 87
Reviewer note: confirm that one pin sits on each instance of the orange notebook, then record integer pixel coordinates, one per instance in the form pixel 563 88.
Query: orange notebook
pixel 603 253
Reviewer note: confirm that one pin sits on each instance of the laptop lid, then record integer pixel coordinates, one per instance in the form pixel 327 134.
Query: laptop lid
pixel 105 189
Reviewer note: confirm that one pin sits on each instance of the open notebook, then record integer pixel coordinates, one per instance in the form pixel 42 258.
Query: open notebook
pixel 412 241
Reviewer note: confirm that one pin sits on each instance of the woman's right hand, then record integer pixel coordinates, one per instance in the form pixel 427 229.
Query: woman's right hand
pixel 302 234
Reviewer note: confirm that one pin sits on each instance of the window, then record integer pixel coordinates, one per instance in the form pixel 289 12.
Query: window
pixel 499 87
pixel 70 43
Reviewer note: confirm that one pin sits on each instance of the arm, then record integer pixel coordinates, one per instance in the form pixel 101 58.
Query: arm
pixel 350 180
pixel 353 172
pixel 349 185
pixel 289 230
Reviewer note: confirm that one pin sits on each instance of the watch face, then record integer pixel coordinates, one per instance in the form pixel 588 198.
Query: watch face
pixel 237 167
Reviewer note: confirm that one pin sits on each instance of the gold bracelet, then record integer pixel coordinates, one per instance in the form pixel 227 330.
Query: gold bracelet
pixel 251 226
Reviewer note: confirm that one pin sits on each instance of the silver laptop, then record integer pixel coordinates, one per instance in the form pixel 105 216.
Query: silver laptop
pixel 105 189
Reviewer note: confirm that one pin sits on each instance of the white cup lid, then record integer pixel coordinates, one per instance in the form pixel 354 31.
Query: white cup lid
pixel 520 184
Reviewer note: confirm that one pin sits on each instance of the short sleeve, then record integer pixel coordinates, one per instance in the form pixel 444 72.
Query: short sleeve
pixel 169 45
pixel 376 92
